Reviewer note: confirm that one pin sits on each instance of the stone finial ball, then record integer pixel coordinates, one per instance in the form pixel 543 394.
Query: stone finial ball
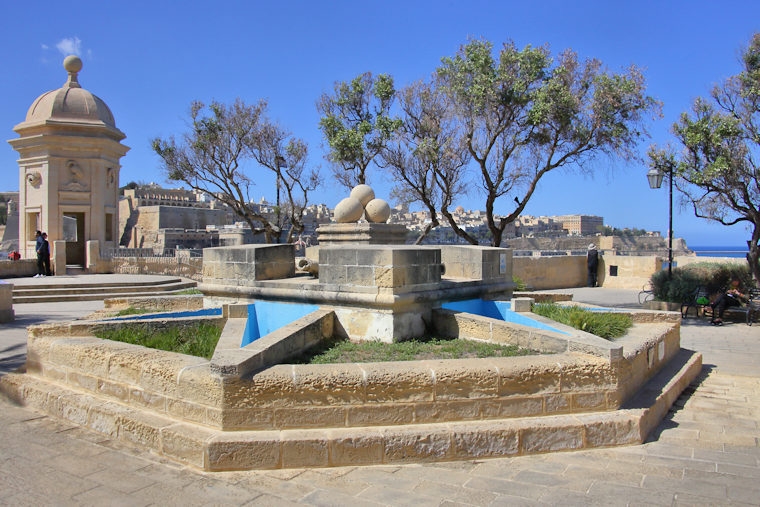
pixel 348 210
pixel 72 63
pixel 364 193
pixel 377 211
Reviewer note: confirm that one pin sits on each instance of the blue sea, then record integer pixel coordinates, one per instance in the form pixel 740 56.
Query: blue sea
pixel 720 251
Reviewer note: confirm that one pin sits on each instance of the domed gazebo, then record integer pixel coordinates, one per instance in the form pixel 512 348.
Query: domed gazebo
pixel 69 150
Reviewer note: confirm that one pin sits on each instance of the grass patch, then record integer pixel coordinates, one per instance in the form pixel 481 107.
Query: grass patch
pixel 607 325
pixel 188 292
pixel 198 339
pixel 131 311
pixel 344 351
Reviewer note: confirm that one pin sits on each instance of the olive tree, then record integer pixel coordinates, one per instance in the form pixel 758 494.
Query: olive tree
pixel 716 168
pixel 356 122
pixel 212 158
pixel 427 155
pixel 524 114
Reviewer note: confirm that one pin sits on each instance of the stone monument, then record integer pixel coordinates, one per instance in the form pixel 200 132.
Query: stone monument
pixel 69 151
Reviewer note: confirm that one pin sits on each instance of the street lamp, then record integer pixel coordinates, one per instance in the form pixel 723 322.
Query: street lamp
pixel 280 162
pixel 655 176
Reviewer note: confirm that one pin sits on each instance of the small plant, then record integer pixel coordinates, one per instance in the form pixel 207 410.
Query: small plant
pixel 189 292
pixel 607 325
pixel 344 351
pixel 131 311
pixel 519 283
pixel 198 339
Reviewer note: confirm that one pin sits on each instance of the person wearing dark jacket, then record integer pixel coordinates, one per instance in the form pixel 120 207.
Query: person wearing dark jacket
pixel 732 297
pixel 592 262
pixel 43 257
pixel 37 246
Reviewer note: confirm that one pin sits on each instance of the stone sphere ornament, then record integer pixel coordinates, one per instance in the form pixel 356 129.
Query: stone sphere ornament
pixel 364 193
pixel 377 211
pixel 348 210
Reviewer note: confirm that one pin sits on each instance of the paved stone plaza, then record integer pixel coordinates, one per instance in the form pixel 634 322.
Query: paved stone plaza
pixel 705 452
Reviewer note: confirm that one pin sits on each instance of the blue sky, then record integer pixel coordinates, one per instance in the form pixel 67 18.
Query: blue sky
pixel 149 60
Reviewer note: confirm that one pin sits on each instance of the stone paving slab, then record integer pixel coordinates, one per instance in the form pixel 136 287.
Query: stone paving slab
pixel 705 452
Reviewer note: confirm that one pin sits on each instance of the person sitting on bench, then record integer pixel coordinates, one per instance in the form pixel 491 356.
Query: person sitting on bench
pixel 732 297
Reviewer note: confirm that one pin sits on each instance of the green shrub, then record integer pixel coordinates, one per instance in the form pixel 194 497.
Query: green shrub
pixel 519 284
pixel 607 325
pixel 714 276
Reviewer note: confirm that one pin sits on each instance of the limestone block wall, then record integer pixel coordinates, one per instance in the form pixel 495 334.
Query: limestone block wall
pixel 191 268
pixel 477 262
pixel 6 302
pixel 397 268
pixel 222 394
pixel 244 265
pixel 551 272
pixel 164 303
pixel 22 267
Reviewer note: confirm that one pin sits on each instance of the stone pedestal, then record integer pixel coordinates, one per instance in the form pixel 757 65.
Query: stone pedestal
pixel 245 265
pixel 6 302
pixel 362 234
pixel 59 257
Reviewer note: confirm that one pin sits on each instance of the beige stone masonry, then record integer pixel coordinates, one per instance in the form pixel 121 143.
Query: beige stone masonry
pixel 215 450
pixel 163 303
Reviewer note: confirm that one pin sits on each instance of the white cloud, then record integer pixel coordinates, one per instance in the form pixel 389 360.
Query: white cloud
pixel 70 46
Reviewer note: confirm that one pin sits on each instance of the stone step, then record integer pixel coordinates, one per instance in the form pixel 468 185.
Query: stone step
pixel 48 293
pixel 212 449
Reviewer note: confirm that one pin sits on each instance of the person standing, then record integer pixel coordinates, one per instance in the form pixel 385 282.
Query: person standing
pixel 592 262
pixel 37 247
pixel 43 257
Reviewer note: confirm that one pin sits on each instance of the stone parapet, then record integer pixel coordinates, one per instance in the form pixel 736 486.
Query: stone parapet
pixel 477 262
pixel 398 267
pixel 6 302
pixel 247 264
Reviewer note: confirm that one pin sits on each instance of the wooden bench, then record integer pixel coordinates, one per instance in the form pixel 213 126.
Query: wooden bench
pixel 699 300
pixel 750 309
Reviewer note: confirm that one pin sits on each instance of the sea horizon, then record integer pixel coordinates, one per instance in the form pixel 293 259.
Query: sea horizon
pixel 719 251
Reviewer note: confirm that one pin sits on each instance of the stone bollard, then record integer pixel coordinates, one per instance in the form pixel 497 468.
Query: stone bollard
pixel 522 305
pixel 6 302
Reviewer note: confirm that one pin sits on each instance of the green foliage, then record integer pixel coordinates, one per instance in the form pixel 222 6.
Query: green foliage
pixel 357 124
pixel 131 311
pixel 413 350
pixel 519 283
pixel 525 114
pixel 607 325
pixel 713 276
pixel 215 156
pixel 716 168
pixel 198 340
pixel 189 292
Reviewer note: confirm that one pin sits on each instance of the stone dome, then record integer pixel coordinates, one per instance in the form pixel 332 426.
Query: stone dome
pixel 70 103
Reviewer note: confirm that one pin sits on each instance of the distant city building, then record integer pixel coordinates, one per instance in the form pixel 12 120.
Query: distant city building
pixel 581 225
pixel 158 218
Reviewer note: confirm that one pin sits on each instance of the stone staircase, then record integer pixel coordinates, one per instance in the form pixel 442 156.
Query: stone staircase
pixel 63 292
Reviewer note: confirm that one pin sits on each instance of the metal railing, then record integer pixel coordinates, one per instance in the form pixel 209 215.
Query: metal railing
pixel 112 253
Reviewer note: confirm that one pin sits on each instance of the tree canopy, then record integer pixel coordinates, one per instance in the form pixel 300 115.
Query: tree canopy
pixel 716 167
pixel 212 157
pixel 357 123
pixel 522 115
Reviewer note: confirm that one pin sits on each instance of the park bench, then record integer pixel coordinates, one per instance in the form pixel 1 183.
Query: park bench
pixel 750 309
pixel 699 300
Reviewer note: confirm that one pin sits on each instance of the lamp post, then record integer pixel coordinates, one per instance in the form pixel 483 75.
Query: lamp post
pixel 655 176
pixel 280 162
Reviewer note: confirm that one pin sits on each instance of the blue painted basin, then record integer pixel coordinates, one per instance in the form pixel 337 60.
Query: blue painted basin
pixel 500 310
